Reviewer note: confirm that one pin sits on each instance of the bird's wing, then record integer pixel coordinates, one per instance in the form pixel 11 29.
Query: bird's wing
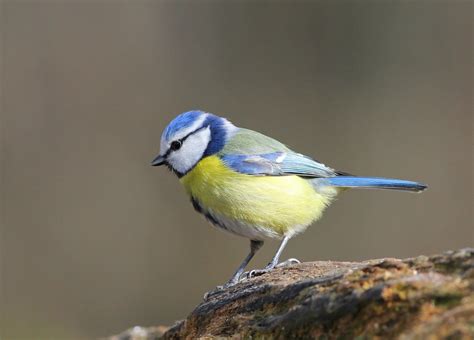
pixel 253 153
pixel 277 164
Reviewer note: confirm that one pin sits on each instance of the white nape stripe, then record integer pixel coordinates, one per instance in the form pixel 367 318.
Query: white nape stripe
pixel 230 128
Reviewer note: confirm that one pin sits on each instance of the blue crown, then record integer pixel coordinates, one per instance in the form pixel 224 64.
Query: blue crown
pixel 184 120
pixel 219 128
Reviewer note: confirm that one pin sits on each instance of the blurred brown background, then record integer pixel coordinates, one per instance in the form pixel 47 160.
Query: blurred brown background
pixel 94 240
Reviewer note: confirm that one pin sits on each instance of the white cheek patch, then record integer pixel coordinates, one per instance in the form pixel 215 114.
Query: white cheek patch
pixel 191 151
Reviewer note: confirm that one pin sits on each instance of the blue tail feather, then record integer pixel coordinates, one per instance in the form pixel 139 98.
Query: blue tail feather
pixel 374 183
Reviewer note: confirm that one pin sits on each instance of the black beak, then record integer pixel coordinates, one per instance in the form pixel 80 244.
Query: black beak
pixel 159 160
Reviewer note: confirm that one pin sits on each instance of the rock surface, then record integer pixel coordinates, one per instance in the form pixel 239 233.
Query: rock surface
pixel 416 298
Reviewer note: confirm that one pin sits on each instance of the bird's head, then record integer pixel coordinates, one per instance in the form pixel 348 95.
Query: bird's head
pixel 190 137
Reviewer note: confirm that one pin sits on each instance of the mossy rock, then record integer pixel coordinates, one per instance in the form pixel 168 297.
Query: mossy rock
pixel 417 298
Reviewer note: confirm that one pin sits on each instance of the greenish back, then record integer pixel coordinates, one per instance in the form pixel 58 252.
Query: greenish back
pixel 251 142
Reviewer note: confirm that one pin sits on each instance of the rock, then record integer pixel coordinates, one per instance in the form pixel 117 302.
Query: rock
pixel 416 298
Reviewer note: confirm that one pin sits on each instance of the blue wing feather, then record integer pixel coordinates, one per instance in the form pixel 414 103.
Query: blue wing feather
pixel 277 164
pixel 253 153
pixel 373 183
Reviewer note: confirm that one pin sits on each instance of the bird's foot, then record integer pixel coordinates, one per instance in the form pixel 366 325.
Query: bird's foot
pixel 269 267
pixel 249 275
pixel 257 272
pixel 213 292
pixel 220 289
pixel 287 263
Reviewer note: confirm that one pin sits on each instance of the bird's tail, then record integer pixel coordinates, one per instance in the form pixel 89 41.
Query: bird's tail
pixel 374 183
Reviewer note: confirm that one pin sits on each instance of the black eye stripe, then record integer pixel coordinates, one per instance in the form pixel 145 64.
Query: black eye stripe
pixel 181 140
pixel 192 133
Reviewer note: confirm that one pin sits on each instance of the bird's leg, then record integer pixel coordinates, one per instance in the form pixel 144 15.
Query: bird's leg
pixel 254 247
pixel 276 257
pixel 274 262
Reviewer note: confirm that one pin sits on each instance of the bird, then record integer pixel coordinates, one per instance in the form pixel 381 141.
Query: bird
pixel 252 185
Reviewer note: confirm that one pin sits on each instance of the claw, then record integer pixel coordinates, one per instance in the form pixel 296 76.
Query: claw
pixel 257 272
pixel 219 289
pixel 288 262
pixel 244 276
pixel 213 292
pixel 269 267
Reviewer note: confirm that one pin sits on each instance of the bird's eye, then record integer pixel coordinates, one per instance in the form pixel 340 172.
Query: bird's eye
pixel 175 145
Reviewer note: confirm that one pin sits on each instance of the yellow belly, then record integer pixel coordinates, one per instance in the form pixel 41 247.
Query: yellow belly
pixel 279 205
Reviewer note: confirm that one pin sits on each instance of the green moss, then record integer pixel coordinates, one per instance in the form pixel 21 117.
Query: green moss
pixel 471 326
pixel 448 300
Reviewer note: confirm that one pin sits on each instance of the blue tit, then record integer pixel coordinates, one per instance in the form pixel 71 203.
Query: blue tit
pixel 252 185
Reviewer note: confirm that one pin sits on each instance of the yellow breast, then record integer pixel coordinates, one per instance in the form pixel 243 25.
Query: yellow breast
pixel 283 204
